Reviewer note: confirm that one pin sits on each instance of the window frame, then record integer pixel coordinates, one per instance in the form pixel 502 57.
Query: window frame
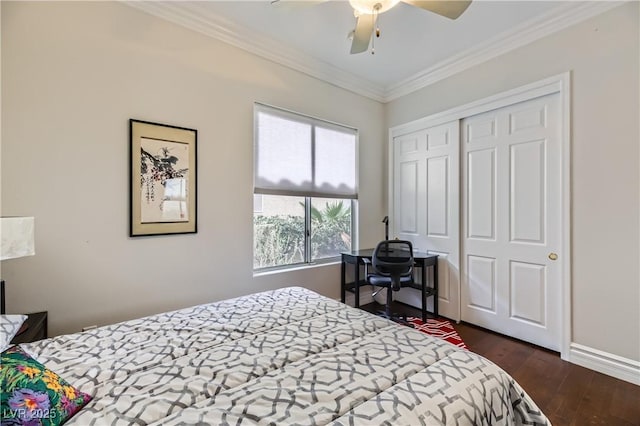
pixel 308 230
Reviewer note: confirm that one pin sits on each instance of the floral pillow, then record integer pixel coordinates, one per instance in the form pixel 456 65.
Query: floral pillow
pixel 31 394
pixel 9 327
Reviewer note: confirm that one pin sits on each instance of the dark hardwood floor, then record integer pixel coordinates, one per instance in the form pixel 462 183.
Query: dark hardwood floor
pixel 567 393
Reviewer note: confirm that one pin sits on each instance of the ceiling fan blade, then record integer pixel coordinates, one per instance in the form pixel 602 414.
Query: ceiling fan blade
pixel 362 33
pixel 451 9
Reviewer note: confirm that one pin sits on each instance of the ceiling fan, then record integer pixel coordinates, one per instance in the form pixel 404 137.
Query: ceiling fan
pixel 367 12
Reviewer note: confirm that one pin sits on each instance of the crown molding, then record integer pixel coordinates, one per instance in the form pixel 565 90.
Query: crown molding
pixel 189 15
pixel 555 20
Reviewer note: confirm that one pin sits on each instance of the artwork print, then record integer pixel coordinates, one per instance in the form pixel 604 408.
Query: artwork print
pixel 164 177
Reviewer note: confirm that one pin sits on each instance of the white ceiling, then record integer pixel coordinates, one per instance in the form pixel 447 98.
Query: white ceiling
pixel 415 48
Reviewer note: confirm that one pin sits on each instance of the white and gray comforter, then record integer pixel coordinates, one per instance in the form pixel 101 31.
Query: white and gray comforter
pixel 281 357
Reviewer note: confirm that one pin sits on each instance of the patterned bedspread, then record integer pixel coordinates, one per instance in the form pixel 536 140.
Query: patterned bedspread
pixel 282 357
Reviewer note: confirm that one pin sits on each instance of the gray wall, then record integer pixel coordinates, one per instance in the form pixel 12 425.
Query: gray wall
pixel 602 55
pixel 72 75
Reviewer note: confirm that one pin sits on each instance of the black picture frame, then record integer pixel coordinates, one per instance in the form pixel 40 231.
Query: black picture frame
pixel 2 306
pixel 162 179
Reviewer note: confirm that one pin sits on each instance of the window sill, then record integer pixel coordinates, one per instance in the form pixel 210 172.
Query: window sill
pixel 295 268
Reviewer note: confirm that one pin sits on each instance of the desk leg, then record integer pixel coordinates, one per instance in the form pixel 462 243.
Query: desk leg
pixel 342 281
pixel 435 288
pixel 357 285
pixel 424 292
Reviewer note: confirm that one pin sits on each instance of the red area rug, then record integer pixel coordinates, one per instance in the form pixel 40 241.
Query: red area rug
pixel 440 328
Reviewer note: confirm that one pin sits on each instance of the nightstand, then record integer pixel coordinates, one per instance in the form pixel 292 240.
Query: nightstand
pixel 36 324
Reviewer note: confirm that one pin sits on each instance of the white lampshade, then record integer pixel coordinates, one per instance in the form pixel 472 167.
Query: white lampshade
pixel 17 237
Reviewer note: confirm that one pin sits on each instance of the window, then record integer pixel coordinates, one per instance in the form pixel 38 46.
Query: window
pixel 305 189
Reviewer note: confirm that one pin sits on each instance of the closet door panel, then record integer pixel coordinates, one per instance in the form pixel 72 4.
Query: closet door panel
pixel 427 213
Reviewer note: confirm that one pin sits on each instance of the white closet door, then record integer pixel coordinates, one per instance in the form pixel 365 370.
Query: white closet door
pixel 511 222
pixel 426 206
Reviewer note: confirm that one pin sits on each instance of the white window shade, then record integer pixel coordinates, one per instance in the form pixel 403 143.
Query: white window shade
pixel 335 163
pixel 301 156
pixel 283 154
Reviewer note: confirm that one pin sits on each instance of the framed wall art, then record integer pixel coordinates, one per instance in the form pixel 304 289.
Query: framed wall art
pixel 163 197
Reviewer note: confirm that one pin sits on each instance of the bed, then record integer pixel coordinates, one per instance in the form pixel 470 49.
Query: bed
pixel 289 356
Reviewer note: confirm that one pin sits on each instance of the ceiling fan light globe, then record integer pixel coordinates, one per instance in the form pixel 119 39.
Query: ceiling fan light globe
pixel 367 7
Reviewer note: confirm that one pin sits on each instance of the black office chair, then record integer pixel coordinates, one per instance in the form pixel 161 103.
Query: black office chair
pixel 392 264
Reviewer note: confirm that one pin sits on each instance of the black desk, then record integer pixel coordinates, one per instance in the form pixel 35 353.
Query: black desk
pixel 422 260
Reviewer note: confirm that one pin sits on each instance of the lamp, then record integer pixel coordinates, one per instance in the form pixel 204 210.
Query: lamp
pixel 386 227
pixel 17 235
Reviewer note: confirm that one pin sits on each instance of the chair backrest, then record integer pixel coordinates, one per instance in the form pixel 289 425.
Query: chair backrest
pixel 393 258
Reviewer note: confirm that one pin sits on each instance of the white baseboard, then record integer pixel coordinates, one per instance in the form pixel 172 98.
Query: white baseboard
pixel 606 363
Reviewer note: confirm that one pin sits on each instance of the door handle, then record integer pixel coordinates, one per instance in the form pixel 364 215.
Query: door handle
pixel 553 256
